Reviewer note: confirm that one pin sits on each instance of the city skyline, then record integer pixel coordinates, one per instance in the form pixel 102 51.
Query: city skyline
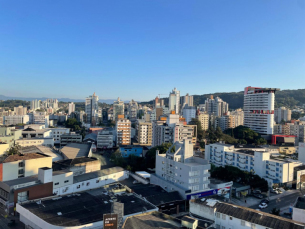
pixel 81 48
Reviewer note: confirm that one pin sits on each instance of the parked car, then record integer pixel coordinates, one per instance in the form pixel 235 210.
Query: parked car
pixel 257 191
pixel 275 191
pixel 264 201
pixel 263 205
pixel 257 195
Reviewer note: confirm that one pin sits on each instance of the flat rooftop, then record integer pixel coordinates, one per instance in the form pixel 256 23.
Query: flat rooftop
pixel 73 150
pixel 64 164
pixel 84 208
pixel 249 152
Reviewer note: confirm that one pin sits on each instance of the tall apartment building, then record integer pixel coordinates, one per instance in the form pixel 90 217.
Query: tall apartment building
pixel 187 100
pixel 174 100
pixel 259 109
pixel 239 116
pixel 216 107
pixel 178 170
pixel 35 104
pixel 118 109
pixel 188 113
pixel 133 110
pixel 123 132
pixel 50 103
pixel 20 110
pixel 71 108
pixel 144 133
pixel 282 114
pixel 204 120
pixel 91 108
pixel 16 119
pixel 255 160
pixel 225 122
pixel 40 118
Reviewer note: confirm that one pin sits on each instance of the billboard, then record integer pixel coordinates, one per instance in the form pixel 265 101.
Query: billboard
pixel 221 192
pixel 110 221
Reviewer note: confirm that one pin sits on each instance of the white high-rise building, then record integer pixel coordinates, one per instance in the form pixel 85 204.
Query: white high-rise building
pixel 187 100
pixel 282 113
pixel 178 170
pixel 20 110
pixel 188 113
pixel 133 110
pixel 91 107
pixel 35 104
pixel 118 109
pixel 71 107
pixel 216 107
pixel 259 109
pixel 174 100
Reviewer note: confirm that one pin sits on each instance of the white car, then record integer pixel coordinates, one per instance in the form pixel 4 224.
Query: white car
pixel 263 205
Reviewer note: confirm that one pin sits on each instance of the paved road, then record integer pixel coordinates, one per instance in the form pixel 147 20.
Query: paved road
pixel 282 203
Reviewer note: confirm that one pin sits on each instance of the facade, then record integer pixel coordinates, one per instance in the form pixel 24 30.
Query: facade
pixel 35 142
pixel 35 104
pixel 282 114
pixel 91 108
pixel 174 101
pixel 118 109
pixel 105 139
pixel 132 110
pixel 41 118
pixel 3 147
pixel 24 165
pixel 259 109
pixel 36 133
pixel 204 120
pixel 216 107
pixel 188 113
pixel 16 119
pixel 131 150
pixel 187 100
pixel 9 135
pixel 20 110
pixel 57 132
pixel 239 117
pixel 70 138
pixel 255 160
pixel 178 170
pixel 144 133
pixel 225 122
pixel 123 132
pixel 71 108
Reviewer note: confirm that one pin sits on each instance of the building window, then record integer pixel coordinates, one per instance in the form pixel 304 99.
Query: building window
pixel 21 164
pixel 217 226
pixel 66 181
pixel 88 183
pixel 253 226
pixel 223 227
pixel 217 214
pixel 242 222
pixel 223 216
pixel 57 183
pixel 97 181
pixel 78 186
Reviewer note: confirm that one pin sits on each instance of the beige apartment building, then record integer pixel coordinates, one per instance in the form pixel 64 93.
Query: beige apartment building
pixel 204 120
pixel 144 133
pixel 123 132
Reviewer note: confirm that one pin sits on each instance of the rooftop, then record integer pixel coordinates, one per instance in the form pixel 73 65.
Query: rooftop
pixel 84 208
pixel 73 150
pixel 22 180
pixel 151 220
pixel 18 157
pixel 96 174
pixel 44 150
pixel 250 215
pixel 63 164
pixel 298 168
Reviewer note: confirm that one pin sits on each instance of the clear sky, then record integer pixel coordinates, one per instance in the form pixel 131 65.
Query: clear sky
pixel 137 49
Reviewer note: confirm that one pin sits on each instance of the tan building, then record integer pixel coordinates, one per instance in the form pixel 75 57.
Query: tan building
pixel 3 147
pixel 9 135
pixel 144 133
pixel 22 165
pixel 123 132
pixel 204 120
pixel 20 110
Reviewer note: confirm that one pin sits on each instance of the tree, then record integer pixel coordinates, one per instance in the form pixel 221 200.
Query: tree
pixel 14 150
pixel 150 156
pixel 73 124
pixel 200 131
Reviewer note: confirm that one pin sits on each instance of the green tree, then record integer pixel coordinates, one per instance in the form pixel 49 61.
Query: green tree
pixel 150 157
pixel 15 149
pixel 200 131
pixel 73 124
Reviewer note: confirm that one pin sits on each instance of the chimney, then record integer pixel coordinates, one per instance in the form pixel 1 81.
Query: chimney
pixel 45 175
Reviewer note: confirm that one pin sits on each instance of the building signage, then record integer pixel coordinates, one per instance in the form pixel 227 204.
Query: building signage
pixel 221 192
pixel 110 221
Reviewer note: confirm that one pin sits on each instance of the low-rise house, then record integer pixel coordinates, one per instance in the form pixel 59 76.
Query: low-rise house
pixel 70 138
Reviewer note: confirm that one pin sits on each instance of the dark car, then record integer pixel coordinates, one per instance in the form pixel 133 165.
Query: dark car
pixel 257 195
pixel 264 201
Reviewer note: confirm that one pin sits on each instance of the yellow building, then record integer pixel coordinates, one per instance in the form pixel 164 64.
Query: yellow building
pixel 3 147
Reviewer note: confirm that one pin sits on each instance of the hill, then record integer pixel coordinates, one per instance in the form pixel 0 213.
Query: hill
pixel 287 98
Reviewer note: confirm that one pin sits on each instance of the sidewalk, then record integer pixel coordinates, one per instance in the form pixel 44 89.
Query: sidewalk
pixel 286 193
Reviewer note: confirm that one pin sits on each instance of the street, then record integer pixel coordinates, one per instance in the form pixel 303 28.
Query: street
pixel 280 202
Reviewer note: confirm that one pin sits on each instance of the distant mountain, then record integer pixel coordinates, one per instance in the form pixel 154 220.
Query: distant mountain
pixel 287 98
pixel 3 97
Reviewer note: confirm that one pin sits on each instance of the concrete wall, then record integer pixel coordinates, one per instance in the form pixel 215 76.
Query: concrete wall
pixel 202 210
pixel 10 170
pixel 63 179
pixel 32 166
pixel 3 148
pixel 298 215
pixel 35 142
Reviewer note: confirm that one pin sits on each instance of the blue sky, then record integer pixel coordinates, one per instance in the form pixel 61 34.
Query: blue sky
pixel 137 49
